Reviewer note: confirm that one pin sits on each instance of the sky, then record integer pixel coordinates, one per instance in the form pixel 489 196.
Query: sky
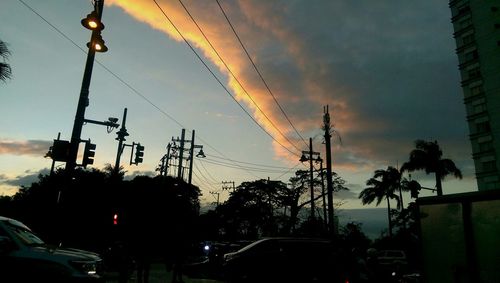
pixel 387 70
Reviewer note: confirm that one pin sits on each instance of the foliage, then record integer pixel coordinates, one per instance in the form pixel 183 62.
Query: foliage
pixel 383 185
pixel 79 211
pixel 352 237
pixel 5 69
pixel 428 156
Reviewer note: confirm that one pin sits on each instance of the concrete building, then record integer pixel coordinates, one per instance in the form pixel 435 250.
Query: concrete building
pixel 476 26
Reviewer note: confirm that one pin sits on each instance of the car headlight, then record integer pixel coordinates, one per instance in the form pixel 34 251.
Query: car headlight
pixel 86 267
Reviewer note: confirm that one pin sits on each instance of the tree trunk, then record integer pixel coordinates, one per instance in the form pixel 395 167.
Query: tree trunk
pixel 389 216
pixel 439 187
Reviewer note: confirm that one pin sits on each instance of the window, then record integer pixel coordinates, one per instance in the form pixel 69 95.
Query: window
pixel 472 55
pixel 463 9
pixel 479 108
pixel 476 90
pixel 474 73
pixel 489 165
pixel 483 127
pixel 466 39
pixel 485 146
pixel 465 23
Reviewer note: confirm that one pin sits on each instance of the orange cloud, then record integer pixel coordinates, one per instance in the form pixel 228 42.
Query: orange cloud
pixel 247 87
pixel 29 147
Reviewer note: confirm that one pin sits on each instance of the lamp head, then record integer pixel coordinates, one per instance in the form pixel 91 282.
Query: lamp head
pixel 97 44
pixel 92 22
pixel 201 154
pixel 319 160
pixel 303 158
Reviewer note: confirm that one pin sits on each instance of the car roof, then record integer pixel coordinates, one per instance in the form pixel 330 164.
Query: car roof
pixel 14 222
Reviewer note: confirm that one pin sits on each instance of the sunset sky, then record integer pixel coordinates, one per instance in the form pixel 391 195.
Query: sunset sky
pixel 386 69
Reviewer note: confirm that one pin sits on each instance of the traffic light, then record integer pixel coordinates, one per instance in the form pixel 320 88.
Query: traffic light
pixel 115 219
pixel 88 154
pixel 59 151
pixel 414 189
pixel 139 153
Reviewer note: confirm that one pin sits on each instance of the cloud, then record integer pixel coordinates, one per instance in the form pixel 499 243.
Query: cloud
pixel 387 70
pixel 27 179
pixel 29 147
pixel 139 173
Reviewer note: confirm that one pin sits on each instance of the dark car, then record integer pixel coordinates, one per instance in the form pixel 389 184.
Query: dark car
pixel 24 257
pixel 283 260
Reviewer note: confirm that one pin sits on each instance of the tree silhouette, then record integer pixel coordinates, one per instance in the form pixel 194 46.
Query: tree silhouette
pixel 5 70
pixel 383 184
pixel 428 156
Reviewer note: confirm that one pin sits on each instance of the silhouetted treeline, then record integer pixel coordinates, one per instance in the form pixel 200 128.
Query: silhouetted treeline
pixel 79 212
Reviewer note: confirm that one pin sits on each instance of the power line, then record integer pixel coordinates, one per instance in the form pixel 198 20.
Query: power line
pixel 207 182
pixel 124 82
pixel 258 72
pixel 261 165
pixel 256 169
pixel 234 76
pixel 102 65
pixel 218 80
pixel 119 78
pixel 208 173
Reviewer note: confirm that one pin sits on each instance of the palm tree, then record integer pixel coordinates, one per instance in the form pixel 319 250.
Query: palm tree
pixel 383 184
pixel 428 156
pixel 5 70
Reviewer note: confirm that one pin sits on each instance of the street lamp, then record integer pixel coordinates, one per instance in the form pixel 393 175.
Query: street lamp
pixel 309 156
pixel 96 44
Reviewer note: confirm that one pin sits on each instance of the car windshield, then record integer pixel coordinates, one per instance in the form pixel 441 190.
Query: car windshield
pixel 25 235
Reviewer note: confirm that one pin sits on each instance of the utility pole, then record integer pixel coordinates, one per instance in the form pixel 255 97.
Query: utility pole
pixel 217 194
pixel 309 156
pixel 191 155
pixel 181 149
pixel 165 161
pixel 122 133
pixel 327 128
pixel 224 187
pixel 181 152
pixel 325 219
pixel 312 178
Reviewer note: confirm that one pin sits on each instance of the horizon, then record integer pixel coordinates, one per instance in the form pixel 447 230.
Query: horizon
pixel 388 79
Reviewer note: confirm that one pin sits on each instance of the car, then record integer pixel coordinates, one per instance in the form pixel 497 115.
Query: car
pixel 24 257
pixel 392 257
pixel 283 259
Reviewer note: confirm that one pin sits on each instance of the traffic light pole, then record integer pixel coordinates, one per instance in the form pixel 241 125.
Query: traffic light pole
pixel 122 133
pixel 83 100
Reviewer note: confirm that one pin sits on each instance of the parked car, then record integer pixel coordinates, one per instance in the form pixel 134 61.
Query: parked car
pixel 392 257
pixel 284 260
pixel 24 257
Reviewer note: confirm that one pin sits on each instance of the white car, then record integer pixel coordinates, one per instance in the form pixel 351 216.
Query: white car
pixel 392 257
pixel 24 257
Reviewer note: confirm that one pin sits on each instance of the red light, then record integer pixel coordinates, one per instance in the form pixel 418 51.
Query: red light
pixel 115 219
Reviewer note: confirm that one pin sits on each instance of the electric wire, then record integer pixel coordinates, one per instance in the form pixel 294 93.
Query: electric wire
pixel 261 165
pixel 258 72
pixel 208 173
pixel 120 79
pixel 218 80
pixel 234 76
pixel 204 176
pixel 255 169
pixel 102 65
pixel 206 182
pixel 125 83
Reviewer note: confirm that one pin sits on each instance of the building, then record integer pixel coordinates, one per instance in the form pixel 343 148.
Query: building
pixel 476 26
